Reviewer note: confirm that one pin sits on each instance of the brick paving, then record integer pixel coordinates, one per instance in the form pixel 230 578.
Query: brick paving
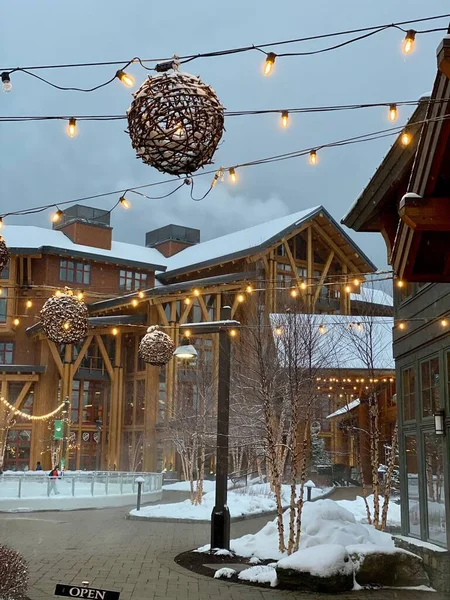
pixel 135 558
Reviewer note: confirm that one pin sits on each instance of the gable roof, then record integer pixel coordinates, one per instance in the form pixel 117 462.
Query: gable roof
pixel 28 239
pixel 246 242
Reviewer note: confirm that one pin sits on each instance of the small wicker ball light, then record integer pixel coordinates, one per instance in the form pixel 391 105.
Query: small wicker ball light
pixel 156 347
pixel 4 254
pixel 64 318
pixel 175 122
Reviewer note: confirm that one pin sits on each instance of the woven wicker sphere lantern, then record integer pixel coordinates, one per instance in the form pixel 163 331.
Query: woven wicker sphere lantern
pixel 64 318
pixel 156 347
pixel 175 123
pixel 4 254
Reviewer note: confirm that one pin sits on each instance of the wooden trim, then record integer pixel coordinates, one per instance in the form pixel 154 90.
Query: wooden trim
pixel 291 261
pixel 309 267
pixel 336 248
pixel 81 354
pixel 56 356
pixel 105 356
pixel 204 310
pixel 29 275
pixel 17 377
pixel 162 315
pixel 323 277
pixel 185 313
pixel 173 311
pixel 23 394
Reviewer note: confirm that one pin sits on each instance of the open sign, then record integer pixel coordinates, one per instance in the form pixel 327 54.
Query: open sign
pixel 74 591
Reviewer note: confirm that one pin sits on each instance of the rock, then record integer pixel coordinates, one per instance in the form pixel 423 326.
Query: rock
pixel 397 568
pixel 300 580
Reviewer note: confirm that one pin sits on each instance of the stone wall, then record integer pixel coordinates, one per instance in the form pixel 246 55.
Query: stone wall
pixel 436 562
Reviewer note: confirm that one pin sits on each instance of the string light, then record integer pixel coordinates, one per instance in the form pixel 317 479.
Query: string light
pixel 28 304
pixel 196 292
pixel 6 82
pixel 405 138
pixel 294 293
pixel 348 289
pixel 25 415
pixel 114 331
pixel 1 291
pixel 278 331
pixel 356 282
pixel 124 203
pixel 285 118
pixel 408 42
pixel 66 326
pixel 444 322
pixel 80 296
pixel 313 157
pixel 401 325
pixel 233 332
pixel 56 216
pixel 58 293
pixel 16 321
pixel 141 294
pixel 249 289
pixel 125 78
pixel 322 329
pixel 240 297
pixel 232 173
pixel 187 333
pixel 400 283
pixel 269 64
pixel 303 285
pixel 134 302
pixel 393 112
pixel 72 127
pixel 187 301
pixel 1 223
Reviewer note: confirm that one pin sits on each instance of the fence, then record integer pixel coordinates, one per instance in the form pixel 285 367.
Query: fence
pixel 77 484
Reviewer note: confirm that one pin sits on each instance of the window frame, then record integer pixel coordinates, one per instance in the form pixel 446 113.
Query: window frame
pixel 4 351
pixel 75 272
pixel 137 279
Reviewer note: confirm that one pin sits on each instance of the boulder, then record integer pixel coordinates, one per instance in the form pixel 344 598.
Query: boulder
pixel 393 568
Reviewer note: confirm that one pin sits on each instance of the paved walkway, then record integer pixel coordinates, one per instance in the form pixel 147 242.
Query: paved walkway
pixel 135 558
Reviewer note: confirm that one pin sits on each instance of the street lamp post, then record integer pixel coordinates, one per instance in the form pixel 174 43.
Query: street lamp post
pixel 220 516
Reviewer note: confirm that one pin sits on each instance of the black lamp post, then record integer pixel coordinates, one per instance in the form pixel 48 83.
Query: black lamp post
pixel 220 516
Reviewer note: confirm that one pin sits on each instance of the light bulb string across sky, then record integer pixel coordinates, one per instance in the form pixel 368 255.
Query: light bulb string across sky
pixel 127 79
pixel 232 170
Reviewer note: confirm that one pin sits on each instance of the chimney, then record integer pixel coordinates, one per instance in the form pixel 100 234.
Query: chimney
pixel 86 226
pixel 171 239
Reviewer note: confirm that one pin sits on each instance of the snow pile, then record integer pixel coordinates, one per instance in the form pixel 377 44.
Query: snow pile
pixel 358 508
pixel 185 486
pixel 322 561
pixel 225 572
pixel 239 504
pixel 323 522
pixel 259 574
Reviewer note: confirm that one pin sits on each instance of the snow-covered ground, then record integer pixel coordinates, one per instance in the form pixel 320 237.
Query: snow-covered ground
pixel 185 486
pixel 358 509
pixel 252 500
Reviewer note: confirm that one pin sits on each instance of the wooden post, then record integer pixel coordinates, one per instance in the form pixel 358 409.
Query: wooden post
pixel 151 405
pixel 309 269
pixel 66 392
pixel 114 406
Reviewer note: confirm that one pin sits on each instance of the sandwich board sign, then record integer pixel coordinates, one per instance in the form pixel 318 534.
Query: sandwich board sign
pixel 77 591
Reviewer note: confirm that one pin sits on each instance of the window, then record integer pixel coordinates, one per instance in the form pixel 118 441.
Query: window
pixel 409 394
pixel 3 304
pixel 17 454
pixel 413 485
pixel 131 280
pixel 6 353
pixel 434 473
pixel 74 272
pixel 429 372
pixel 5 273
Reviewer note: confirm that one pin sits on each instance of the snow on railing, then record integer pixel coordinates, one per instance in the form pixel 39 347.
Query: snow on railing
pixel 77 484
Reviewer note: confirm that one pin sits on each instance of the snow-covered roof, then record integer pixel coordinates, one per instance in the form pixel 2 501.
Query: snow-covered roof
pixel 239 243
pixel 343 342
pixel 370 294
pixel 345 409
pixel 29 238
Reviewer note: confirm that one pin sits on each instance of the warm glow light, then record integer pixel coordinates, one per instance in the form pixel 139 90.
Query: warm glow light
pixel 444 322
pixel 66 325
pixel 1 291
pixel 356 282
pixel 124 203
pixel 285 118
pixel 322 329
pixel 405 138
pixel 233 176
pixel 80 296
pixel 58 293
pixel 126 79
pixel 270 61
pixel 400 283
pixel 408 42
pixel 303 285
pixel 313 157
pixel 393 112
pixel 249 289
pixel 72 127
pixel 179 129
pixel 187 333
pixel 359 326
pixel 278 330
pixel 240 297
pixel 1 223
pixel 187 301
pixel 56 216
pixel 29 304
pixel 114 331
pixel 294 293
pixel 196 292
pixel 348 289
pixel 233 332
pixel 401 326
pixel 134 302
pixel 16 321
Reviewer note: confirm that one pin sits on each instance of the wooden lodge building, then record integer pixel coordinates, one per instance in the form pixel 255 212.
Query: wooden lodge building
pixel 117 403
pixel 408 201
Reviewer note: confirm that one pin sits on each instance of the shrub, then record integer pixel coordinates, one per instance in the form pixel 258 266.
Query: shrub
pixel 13 574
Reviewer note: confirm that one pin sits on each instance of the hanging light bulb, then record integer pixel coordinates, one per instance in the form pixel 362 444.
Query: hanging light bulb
pixel 249 289
pixel 56 216
pixel 270 61
pixel 322 329
pixel 408 42
pixel 348 289
pixel 313 157
pixel 6 82
pixel 1 291
pixel 196 292
pixel 401 325
pixel 72 127
pixel 359 326
pixel 294 293
pixel 393 112
pixel 126 79
pixel 141 294
pixel 400 283
pixel 285 118
pixel 114 331
pixel 134 302
pixel 233 332
pixel 444 322
pixel 240 297
pixel 278 330
pixel 16 321
pixel 124 203
pixel 356 281
pixel 187 333
pixel 405 138
pixel 80 296
pixel 187 301
pixel 232 173
pixel 28 304
pixel 303 285
pixel 1 223
pixel 58 293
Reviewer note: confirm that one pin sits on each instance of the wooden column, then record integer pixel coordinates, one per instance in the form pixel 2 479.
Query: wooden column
pixel 309 270
pixel 115 401
pixel 66 391
pixel 151 405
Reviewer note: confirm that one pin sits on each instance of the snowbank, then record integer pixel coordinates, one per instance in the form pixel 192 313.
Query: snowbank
pixel 185 486
pixel 322 561
pixel 358 509
pixel 259 574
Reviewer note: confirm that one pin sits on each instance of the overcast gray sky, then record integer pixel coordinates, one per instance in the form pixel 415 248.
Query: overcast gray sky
pixel 40 163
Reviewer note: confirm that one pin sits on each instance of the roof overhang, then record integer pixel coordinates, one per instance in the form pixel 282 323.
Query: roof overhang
pixel 22 369
pixel 106 321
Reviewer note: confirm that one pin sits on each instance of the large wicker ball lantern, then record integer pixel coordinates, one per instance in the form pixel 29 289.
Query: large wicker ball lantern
pixel 175 123
pixel 4 254
pixel 64 318
pixel 156 347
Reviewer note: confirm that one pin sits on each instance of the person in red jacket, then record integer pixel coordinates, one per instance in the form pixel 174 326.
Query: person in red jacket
pixel 53 476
